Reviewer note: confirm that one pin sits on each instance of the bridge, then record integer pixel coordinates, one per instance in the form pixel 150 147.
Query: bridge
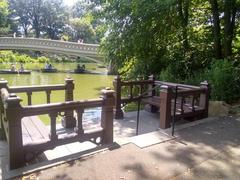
pixel 88 51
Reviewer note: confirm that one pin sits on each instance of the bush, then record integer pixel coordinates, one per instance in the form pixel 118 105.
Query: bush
pixel 224 79
pixel 43 59
pixel 9 56
pixel 222 75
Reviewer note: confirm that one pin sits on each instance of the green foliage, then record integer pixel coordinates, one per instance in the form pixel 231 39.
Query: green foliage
pixel 43 59
pixel 224 79
pixel 223 76
pixel 83 28
pixel 4 24
pixel 9 56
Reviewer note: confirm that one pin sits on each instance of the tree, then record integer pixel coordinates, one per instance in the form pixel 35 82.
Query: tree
pixel 4 26
pixel 183 13
pixel 36 15
pixel 54 18
pixel 81 7
pixel 83 29
pixel 216 29
pixel 21 13
pixel 140 35
pixel 223 40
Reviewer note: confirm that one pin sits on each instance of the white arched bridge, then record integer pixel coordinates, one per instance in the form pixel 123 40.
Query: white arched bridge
pixel 88 51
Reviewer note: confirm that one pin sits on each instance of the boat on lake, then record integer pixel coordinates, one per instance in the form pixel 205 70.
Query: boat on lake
pixel 79 71
pixel 101 66
pixel 6 71
pixel 52 70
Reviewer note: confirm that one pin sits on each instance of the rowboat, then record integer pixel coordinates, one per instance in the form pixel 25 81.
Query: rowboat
pixel 79 71
pixel 5 71
pixel 53 70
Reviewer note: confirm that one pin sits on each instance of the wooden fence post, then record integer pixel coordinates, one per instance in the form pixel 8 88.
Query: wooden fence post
pixel 107 115
pixel 3 84
pixel 165 106
pixel 204 98
pixel 151 92
pixel 68 121
pixel 13 115
pixel 117 87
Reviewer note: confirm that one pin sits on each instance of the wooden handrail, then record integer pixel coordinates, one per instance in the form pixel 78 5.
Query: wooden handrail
pixel 24 89
pixel 36 110
pixel 191 92
pixel 141 82
pixel 176 84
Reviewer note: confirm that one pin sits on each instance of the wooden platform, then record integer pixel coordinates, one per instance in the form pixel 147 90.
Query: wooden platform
pixel 34 131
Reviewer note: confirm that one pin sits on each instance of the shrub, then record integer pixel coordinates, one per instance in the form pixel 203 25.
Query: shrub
pixel 224 79
pixel 9 56
pixel 223 76
pixel 42 59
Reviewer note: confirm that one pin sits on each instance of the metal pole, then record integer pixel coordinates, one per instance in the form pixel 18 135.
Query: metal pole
pixel 138 114
pixel 174 110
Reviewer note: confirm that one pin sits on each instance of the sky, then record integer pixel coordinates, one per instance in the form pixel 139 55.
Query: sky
pixel 69 2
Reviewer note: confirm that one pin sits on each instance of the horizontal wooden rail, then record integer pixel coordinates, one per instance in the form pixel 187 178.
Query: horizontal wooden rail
pixel 190 92
pixel 175 84
pixel 60 107
pixel 24 89
pixel 141 82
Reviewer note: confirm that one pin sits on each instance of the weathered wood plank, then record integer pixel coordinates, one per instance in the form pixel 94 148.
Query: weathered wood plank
pixel 25 134
pixel 33 130
pixel 43 130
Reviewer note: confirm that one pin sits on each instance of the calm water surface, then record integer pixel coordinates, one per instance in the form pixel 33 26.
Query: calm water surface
pixel 87 86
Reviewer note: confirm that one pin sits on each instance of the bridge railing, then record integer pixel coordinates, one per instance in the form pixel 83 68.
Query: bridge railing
pixel 43 43
pixel 13 113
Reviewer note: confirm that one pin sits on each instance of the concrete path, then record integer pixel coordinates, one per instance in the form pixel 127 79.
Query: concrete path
pixel 210 150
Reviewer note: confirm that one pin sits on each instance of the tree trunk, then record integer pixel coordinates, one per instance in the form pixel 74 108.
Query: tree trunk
pixel 229 25
pixel 37 33
pixel 183 8
pixel 25 32
pixel 216 29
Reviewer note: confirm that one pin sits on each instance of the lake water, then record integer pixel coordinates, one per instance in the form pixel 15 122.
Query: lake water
pixel 87 86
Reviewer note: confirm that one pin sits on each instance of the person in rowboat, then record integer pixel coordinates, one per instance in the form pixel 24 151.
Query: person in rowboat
pixel 21 69
pixel 13 68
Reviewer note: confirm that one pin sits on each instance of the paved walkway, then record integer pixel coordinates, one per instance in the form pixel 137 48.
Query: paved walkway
pixel 209 150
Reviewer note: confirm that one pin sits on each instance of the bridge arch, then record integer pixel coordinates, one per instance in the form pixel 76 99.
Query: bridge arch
pixel 88 51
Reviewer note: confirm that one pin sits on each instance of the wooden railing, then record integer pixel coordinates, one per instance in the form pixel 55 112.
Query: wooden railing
pixel 12 115
pixel 133 90
pixel 192 101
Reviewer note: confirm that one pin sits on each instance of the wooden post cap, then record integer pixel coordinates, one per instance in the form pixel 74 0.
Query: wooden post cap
pixel 117 77
pixel 12 95
pixel 13 100
pixel 204 83
pixel 164 87
pixel 68 79
pixel 3 82
pixel 107 91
